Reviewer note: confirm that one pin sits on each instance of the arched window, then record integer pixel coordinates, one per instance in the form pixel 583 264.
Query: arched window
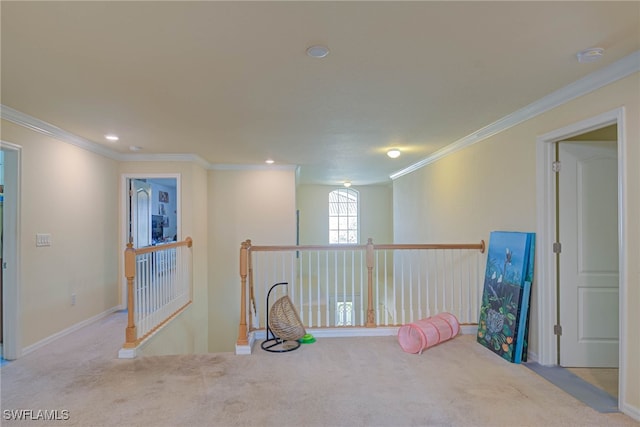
pixel 343 216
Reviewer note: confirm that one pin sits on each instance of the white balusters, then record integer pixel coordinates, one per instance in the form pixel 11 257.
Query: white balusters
pixel 329 283
pixel 162 285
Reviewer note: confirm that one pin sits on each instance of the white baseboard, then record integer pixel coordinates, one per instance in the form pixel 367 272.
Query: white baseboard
pixel 132 353
pixel 469 329
pixel 245 350
pixel 631 411
pixel 381 331
pixel 73 328
pixel 127 353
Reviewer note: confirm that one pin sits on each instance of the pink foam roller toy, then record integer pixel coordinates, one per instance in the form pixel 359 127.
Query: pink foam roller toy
pixel 424 333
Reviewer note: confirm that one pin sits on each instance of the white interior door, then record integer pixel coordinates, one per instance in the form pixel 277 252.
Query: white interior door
pixel 588 266
pixel 140 220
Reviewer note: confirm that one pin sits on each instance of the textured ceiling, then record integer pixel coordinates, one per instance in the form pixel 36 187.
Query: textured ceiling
pixel 230 81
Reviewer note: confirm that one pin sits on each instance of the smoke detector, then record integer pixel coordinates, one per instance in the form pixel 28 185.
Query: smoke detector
pixel 592 54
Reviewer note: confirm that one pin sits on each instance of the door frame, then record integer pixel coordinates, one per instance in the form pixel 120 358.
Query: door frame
pixel 546 234
pixel 124 226
pixel 11 286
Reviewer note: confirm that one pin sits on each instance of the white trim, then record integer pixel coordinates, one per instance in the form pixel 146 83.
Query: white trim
pixel 546 224
pixel 616 71
pixel 545 259
pixel 632 411
pixel 12 285
pixel 245 350
pixel 37 125
pixel 245 167
pixel 69 330
pixel 127 353
pixel 32 123
pixel 132 353
pixel 192 158
pixel 382 331
pixel 623 257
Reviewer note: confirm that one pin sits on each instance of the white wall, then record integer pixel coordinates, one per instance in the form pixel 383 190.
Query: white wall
pixel 257 205
pixel 71 194
pixel 492 186
pixel 376 212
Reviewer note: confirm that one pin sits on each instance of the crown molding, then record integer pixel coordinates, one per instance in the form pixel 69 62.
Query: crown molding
pixel 37 125
pixel 192 158
pixel 245 167
pixel 618 70
pixel 40 126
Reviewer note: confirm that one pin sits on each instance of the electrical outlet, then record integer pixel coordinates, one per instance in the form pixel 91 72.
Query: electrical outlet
pixel 73 299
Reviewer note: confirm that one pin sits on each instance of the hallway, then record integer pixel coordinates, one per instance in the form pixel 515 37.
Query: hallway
pixel 366 381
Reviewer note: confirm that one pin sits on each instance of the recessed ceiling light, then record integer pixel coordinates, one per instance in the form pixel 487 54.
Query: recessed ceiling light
pixel 590 55
pixel 347 184
pixel 135 148
pixel 269 161
pixel 318 51
pixel 393 153
pixel 112 137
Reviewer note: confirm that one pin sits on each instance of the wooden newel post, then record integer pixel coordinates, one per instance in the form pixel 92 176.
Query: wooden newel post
pixel 371 320
pixel 242 329
pixel 131 333
pixel 252 299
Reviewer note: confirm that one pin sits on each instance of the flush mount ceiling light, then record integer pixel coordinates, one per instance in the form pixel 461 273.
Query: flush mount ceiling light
pixel 269 161
pixel 112 137
pixel 393 153
pixel 347 184
pixel 318 51
pixel 592 54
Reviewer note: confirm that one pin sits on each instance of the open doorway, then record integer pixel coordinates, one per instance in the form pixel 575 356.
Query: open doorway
pixel 10 250
pixel 582 303
pixel 587 263
pixel 151 211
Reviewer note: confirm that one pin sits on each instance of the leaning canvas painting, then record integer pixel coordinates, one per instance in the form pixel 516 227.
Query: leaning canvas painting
pixel 504 310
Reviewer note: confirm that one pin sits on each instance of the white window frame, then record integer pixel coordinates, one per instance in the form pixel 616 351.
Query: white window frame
pixel 344 192
pixel 345 313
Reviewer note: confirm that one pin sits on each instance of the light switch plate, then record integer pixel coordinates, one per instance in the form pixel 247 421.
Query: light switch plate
pixel 43 239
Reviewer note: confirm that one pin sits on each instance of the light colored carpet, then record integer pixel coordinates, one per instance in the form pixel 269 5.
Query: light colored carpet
pixel 365 381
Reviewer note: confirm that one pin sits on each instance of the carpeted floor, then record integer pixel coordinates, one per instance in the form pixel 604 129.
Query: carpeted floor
pixel 364 381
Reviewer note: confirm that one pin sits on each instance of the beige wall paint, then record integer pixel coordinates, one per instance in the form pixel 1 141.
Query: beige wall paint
pixel 256 205
pixel 71 194
pixel 376 212
pixel 491 185
pixel 75 195
pixel 188 333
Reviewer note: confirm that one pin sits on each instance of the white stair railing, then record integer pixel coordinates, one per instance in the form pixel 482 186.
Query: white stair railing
pixel 362 285
pixel 158 286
